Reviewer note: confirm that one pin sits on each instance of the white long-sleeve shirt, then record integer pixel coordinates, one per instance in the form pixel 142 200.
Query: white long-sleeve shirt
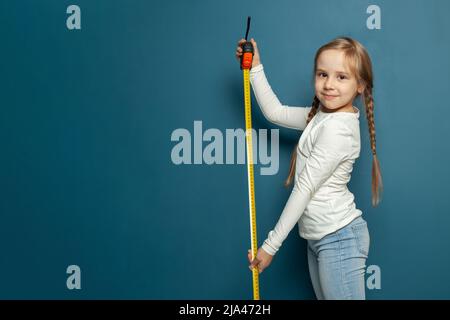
pixel 320 202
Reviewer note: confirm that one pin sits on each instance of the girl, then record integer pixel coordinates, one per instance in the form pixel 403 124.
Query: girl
pixel 320 202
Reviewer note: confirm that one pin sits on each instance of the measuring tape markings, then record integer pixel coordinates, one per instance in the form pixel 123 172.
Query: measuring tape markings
pixel 246 64
pixel 250 176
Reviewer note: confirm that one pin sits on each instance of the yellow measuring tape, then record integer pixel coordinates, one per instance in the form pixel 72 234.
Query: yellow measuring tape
pixel 251 182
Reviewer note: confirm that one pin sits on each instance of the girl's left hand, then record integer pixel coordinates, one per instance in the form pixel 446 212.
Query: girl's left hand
pixel 261 261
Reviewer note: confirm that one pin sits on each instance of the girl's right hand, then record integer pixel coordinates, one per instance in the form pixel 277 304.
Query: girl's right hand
pixel 256 59
pixel 261 261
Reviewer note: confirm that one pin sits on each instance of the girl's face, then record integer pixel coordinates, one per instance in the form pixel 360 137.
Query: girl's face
pixel 335 85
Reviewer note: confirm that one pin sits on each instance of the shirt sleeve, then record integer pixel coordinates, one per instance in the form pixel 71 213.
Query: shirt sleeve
pixel 271 107
pixel 333 145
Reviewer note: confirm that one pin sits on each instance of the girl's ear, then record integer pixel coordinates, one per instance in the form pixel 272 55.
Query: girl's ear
pixel 361 88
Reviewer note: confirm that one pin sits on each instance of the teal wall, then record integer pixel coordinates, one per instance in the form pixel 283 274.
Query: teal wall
pixel 86 117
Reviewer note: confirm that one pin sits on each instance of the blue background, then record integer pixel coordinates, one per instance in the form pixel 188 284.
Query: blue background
pixel 86 116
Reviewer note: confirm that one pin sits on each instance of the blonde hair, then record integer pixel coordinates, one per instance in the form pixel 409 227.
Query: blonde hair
pixel 360 65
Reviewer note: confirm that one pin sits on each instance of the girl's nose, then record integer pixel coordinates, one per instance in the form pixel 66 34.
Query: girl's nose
pixel 328 83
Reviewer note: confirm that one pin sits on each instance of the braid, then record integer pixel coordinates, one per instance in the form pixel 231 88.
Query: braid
pixel 377 182
pixel 370 120
pixel 312 112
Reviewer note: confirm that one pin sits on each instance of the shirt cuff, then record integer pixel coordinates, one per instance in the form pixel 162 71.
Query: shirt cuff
pixel 267 248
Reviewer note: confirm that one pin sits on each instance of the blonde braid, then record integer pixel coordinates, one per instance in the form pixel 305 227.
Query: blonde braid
pixel 377 182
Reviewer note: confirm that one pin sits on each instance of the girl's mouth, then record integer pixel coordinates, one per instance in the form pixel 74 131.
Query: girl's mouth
pixel 327 97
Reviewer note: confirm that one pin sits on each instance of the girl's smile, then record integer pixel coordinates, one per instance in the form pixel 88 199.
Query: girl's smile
pixel 328 97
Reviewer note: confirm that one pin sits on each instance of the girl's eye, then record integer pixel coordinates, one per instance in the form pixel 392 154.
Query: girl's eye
pixel 340 77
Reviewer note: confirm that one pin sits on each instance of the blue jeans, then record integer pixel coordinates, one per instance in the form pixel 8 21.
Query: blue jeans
pixel 337 262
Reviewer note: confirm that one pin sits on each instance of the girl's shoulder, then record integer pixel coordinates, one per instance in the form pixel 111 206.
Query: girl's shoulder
pixel 336 132
pixel 342 122
pixel 331 121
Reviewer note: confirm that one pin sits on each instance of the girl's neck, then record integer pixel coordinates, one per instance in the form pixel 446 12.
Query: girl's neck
pixel 349 109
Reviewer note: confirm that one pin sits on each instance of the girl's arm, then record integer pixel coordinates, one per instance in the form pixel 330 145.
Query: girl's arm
pixel 333 146
pixel 273 110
